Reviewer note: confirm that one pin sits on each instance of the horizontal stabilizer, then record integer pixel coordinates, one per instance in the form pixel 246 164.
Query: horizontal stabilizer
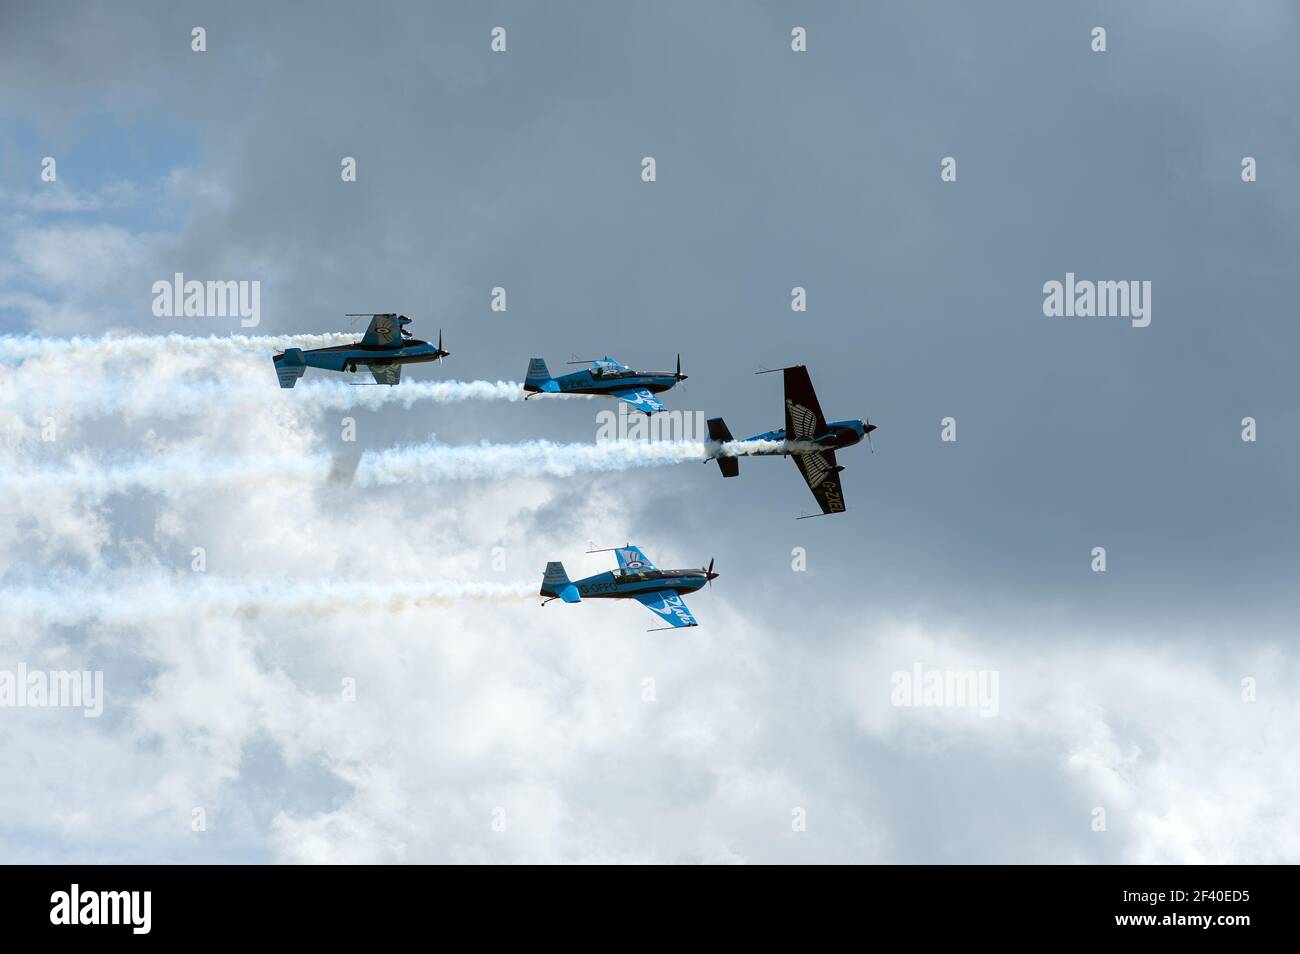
pixel 718 430
pixel 719 433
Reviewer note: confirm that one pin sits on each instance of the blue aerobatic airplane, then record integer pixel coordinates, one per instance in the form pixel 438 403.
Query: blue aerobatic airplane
pixel 384 348
pixel 636 578
pixel 608 377
pixel 806 437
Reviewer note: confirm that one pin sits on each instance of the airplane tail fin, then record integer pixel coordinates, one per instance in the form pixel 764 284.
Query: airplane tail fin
pixel 538 376
pixel 719 433
pixel 289 367
pixel 555 583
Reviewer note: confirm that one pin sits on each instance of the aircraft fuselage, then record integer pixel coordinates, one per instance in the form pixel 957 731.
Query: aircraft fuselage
pixel 627 584
pixel 837 434
pixel 607 381
pixel 352 356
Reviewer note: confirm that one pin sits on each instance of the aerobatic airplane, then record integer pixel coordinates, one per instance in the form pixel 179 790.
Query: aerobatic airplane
pixel 659 591
pixel 806 437
pixel 607 377
pixel 384 348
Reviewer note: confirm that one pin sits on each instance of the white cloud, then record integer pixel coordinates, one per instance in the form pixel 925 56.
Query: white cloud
pixel 474 712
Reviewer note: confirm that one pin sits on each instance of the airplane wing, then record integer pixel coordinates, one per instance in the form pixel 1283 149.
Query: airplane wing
pixel 386 373
pixel 641 399
pixel 631 558
pixel 819 470
pixel 803 415
pixel 669 606
pixel 384 330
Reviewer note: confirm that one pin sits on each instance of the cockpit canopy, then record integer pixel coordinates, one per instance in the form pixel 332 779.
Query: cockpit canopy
pixel 633 575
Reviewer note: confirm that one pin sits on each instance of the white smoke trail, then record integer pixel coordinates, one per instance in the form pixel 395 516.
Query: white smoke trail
pixel 190 596
pixel 175 376
pixel 423 463
pixel 432 464
pixel 172 399
pixel 435 463
pixel 18 348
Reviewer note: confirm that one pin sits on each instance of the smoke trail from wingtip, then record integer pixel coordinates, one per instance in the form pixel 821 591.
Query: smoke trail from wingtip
pixel 123 602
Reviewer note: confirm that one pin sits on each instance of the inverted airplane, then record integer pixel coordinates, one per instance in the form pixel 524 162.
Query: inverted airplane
pixel 806 437
pixel 605 377
pixel 383 349
pixel 659 591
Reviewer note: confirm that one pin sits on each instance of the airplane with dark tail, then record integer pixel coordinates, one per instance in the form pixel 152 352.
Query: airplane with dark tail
pixel 605 377
pixel 382 350
pixel 636 578
pixel 806 437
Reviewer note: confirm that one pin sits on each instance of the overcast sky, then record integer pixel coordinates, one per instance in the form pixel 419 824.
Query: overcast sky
pixel 1119 690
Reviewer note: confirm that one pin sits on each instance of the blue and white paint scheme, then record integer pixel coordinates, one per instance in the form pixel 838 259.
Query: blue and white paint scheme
pixel 807 437
pixel 382 350
pixel 659 591
pixel 606 377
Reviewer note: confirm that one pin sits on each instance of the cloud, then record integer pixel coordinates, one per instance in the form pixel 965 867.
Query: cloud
pixel 491 732
pixel 57 197
pixel 124 601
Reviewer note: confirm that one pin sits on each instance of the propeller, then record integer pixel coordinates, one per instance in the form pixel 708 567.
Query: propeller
pixel 678 378
pixel 708 572
pixel 441 353
pixel 869 427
